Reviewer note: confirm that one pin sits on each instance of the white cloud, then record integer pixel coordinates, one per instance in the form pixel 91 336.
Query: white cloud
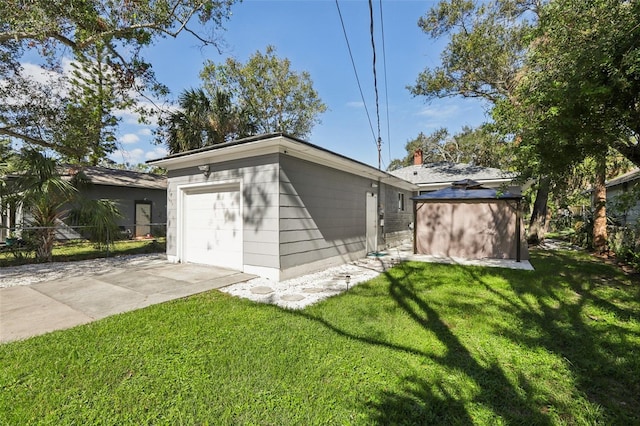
pixel 440 113
pixel 355 104
pixel 133 156
pixel 127 116
pixel 129 138
pixel 145 131
pixel 138 155
pixel 39 74
pixel 156 153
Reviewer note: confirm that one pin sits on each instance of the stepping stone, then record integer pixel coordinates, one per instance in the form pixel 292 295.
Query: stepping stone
pixel 261 290
pixel 312 290
pixel 292 297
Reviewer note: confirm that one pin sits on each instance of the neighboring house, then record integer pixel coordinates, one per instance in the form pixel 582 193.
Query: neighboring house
pixel 470 221
pixel 280 207
pixel 623 195
pixel 434 176
pixel 140 197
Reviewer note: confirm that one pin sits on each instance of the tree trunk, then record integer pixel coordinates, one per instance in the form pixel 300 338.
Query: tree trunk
pixel 538 222
pixel 599 206
pixel 45 241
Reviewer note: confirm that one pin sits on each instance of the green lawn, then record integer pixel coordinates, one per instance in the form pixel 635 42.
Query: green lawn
pixel 422 344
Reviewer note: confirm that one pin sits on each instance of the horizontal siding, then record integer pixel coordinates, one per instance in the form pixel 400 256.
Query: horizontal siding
pixel 125 199
pixel 288 260
pixel 340 247
pixel 299 235
pixel 297 224
pixel 396 220
pixel 321 212
pixel 262 260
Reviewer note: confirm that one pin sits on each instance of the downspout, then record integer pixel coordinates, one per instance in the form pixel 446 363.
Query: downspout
pixel 415 227
pixel 518 230
pixel 380 233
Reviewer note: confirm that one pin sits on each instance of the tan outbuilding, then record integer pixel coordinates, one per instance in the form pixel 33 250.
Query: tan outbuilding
pixel 469 221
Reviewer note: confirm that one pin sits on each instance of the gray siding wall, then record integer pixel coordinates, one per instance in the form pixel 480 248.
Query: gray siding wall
pixel 126 197
pixel 634 212
pixel 396 221
pixel 322 212
pixel 259 177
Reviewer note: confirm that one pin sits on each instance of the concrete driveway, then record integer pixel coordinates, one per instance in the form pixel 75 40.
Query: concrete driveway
pixel 31 310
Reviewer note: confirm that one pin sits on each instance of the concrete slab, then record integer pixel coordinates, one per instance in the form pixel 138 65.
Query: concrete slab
pixel 262 290
pixel 93 297
pixel 25 312
pixel 35 309
pixel 214 284
pixel 191 272
pixel 405 253
pixel 292 297
pixel 144 282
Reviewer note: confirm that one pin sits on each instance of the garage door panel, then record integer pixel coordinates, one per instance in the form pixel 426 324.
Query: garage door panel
pixel 213 228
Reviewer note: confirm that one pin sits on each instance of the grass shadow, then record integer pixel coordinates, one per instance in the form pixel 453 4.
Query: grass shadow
pixel 574 319
pixel 588 314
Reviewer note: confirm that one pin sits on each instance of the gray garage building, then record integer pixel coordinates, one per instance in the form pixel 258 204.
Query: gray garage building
pixel 277 206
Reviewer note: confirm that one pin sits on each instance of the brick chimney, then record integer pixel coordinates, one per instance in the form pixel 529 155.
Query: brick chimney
pixel 417 157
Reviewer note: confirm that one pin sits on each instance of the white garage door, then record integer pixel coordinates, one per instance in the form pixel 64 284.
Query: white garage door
pixel 212 227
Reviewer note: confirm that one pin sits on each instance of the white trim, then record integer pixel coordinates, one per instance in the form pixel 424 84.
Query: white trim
pixel 183 190
pixel 286 146
pixel 272 274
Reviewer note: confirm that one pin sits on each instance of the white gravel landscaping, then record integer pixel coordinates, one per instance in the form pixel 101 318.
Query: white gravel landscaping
pixel 299 292
pixel 12 276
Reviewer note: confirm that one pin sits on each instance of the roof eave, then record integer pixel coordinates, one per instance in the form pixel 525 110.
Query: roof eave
pixel 282 144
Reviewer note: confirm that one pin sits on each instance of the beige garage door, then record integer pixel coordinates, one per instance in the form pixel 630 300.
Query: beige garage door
pixel 212 227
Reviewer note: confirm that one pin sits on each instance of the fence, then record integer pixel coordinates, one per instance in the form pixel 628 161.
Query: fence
pixel 22 239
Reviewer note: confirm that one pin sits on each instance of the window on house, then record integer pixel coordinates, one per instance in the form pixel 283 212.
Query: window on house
pixel 400 201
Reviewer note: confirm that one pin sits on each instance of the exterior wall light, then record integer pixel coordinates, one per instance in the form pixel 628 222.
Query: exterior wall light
pixel 205 170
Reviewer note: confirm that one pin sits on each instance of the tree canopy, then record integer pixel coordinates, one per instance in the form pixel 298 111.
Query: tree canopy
pixel 479 146
pixel 111 33
pixel 274 97
pixel 201 121
pixel 562 77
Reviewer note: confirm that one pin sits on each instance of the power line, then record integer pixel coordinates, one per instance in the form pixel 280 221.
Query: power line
pixel 386 88
pixel 355 71
pixel 375 83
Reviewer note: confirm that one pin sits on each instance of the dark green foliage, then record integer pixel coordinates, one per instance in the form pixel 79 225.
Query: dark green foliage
pixel 202 121
pixel 480 146
pixel 272 96
pixel 98 220
pixel 107 38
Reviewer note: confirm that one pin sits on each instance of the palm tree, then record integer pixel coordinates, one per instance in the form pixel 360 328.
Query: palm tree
pixel 43 194
pixel 202 121
pixel 46 198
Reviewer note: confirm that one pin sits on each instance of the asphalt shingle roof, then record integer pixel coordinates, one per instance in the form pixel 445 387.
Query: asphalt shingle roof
pixel 627 177
pixel 444 172
pixel 113 177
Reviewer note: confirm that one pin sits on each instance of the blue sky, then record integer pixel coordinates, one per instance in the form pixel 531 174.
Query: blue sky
pixel 309 34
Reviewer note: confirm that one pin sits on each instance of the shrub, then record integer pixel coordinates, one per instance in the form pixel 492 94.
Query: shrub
pixel 625 243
